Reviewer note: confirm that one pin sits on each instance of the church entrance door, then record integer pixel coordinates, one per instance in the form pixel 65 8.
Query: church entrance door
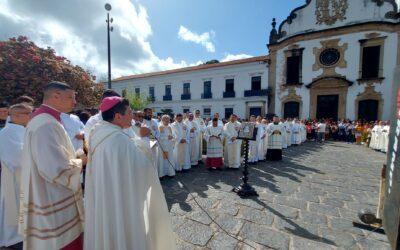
pixel 327 107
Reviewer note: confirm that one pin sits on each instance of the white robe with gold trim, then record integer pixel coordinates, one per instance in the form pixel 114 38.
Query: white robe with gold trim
pixel 124 202
pixel 51 209
pixel 181 150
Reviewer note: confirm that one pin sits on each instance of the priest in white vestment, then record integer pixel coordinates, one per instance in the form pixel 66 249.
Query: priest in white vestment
pixel 296 132
pixel 253 149
pixel 261 134
pixel 152 124
pixel 377 135
pixel 193 142
pixel 11 144
pixel 74 128
pixel 51 205
pixel 265 144
pixel 210 122
pixel 201 124
pixel 232 144
pixel 124 202
pixel 274 131
pixel 214 137
pixel 167 143
pixel 373 143
pixel 181 149
pixel 384 139
pixel 284 135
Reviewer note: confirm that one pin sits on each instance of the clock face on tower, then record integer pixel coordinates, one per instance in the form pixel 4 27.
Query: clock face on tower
pixel 329 57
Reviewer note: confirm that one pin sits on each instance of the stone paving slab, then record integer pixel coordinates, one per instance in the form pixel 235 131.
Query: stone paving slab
pixel 306 201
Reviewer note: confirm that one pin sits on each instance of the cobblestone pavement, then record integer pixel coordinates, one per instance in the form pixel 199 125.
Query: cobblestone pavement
pixel 307 201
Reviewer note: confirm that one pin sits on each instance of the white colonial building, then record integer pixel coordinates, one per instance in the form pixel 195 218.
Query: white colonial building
pixel 328 59
pixel 335 58
pixel 238 87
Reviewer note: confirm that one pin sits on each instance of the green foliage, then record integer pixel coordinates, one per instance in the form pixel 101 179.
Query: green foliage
pixel 169 112
pixel 25 68
pixel 136 102
pixel 212 61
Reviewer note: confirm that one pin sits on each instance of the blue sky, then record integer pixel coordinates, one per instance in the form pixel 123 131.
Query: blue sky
pixel 149 35
pixel 241 27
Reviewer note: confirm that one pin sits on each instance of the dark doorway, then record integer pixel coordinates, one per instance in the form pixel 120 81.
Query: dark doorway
pixel 327 106
pixel 255 111
pixel 368 110
pixel 291 110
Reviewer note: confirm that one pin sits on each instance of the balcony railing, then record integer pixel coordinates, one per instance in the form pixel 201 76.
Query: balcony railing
pixel 261 92
pixel 229 94
pixel 167 98
pixel 185 96
pixel 206 96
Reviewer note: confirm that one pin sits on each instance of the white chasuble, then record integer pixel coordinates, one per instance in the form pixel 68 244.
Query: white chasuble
pixel 232 145
pixel 193 142
pixel 124 202
pixel 51 209
pixel 261 134
pixel 275 132
pixel 285 135
pixel 181 149
pixel 167 143
pixel 296 133
pixel 11 144
pixel 200 123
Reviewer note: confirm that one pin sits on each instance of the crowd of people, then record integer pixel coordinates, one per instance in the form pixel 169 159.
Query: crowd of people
pixel 42 153
pixel 45 150
pixel 374 135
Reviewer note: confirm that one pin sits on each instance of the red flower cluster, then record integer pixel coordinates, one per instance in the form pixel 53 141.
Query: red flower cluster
pixel 25 68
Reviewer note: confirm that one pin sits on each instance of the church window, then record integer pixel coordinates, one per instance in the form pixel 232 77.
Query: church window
pixel 329 57
pixel 370 61
pixel 294 66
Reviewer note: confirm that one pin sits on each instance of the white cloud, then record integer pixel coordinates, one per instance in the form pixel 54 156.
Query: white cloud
pixel 203 39
pixel 230 57
pixel 77 30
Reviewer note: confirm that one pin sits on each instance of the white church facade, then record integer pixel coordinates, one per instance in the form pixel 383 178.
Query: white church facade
pixel 328 59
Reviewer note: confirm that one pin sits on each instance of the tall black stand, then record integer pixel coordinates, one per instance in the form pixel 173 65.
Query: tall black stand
pixel 245 190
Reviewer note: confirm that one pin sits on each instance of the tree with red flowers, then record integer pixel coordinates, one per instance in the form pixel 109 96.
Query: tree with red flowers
pixel 25 69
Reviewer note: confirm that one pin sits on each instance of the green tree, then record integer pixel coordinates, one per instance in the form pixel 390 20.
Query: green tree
pixel 136 102
pixel 212 61
pixel 25 68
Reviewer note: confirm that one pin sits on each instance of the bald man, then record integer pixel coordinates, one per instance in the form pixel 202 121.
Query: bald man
pixel 51 195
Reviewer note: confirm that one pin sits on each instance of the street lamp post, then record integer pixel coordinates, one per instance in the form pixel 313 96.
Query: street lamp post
pixel 109 29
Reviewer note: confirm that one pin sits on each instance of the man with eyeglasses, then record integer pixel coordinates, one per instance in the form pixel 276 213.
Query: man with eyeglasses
pixel 124 203
pixel 11 144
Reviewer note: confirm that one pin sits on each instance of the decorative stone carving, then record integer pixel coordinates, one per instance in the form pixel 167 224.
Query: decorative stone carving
pixel 369 94
pixel 292 97
pixel 329 11
pixel 329 70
